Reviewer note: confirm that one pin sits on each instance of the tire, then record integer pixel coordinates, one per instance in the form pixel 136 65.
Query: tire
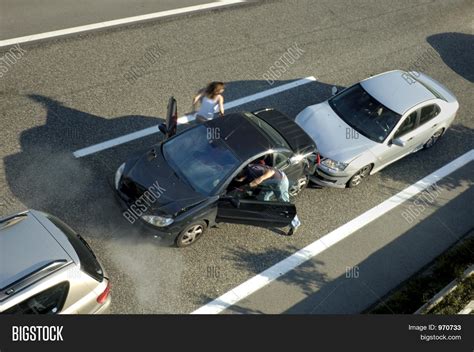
pixel 434 138
pixel 359 176
pixel 191 234
pixel 300 184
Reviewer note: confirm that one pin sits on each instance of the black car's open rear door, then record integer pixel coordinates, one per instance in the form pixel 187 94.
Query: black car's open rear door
pixel 254 212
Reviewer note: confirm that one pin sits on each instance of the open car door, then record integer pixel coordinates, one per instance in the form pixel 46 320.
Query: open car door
pixel 255 212
pixel 169 128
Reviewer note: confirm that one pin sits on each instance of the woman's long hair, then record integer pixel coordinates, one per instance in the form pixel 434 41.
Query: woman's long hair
pixel 212 90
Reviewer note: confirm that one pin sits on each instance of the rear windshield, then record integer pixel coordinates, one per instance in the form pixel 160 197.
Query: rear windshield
pixel 269 131
pixel 89 263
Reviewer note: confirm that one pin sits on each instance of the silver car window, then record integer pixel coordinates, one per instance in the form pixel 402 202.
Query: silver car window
pixel 408 125
pixel 49 301
pixel 429 112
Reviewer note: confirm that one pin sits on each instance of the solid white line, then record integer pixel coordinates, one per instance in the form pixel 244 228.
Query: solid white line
pixel 187 118
pixel 121 21
pixel 264 278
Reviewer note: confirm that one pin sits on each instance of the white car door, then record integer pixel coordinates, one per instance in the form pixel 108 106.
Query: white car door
pixel 406 133
pixel 429 123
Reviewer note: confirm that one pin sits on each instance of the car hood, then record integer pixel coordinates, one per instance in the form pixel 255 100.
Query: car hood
pixel 152 172
pixel 335 139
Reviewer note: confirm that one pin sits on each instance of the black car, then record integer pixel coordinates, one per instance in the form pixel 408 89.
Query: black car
pixel 187 183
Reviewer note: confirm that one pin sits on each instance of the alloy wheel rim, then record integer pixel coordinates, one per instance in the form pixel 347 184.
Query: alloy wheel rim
pixel 300 184
pixel 192 234
pixel 360 175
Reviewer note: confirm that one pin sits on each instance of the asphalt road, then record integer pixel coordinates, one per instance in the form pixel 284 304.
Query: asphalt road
pixel 356 273
pixel 20 18
pixel 70 93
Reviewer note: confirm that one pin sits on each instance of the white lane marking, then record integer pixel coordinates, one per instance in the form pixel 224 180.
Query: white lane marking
pixel 187 118
pixel 267 276
pixel 121 21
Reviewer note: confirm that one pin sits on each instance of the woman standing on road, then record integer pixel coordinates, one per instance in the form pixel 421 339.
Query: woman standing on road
pixel 211 99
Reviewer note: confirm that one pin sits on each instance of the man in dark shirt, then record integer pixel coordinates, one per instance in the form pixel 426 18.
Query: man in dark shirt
pixel 275 183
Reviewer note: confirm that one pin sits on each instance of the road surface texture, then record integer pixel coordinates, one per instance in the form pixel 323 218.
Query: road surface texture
pixel 65 94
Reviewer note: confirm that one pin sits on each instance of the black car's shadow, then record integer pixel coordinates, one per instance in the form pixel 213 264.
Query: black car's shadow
pixel 46 176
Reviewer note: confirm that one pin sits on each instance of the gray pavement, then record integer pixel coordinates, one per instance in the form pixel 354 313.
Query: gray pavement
pixel 69 93
pixel 21 18
pixel 359 271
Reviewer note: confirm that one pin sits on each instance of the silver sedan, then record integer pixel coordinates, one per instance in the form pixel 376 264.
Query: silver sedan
pixel 376 122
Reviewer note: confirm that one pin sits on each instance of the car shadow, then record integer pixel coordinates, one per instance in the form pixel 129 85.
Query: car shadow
pixel 46 176
pixel 373 278
pixel 456 50
pixel 309 277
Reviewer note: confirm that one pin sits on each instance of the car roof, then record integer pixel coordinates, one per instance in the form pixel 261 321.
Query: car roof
pixel 395 92
pixel 26 247
pixel 241 136
pixel 296 137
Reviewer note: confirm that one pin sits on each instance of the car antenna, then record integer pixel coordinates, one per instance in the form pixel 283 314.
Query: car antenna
pixel 231 133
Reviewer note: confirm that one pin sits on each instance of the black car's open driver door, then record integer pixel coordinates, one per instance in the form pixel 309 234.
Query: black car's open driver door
pixel 254 212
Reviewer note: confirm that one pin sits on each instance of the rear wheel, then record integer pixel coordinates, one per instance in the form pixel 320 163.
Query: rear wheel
pixel 191 234
pixel 300 184
pixel 359 176
pixel 434 138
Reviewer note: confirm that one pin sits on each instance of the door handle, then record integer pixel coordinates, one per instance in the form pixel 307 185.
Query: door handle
pixel 409 139
pixel 434 125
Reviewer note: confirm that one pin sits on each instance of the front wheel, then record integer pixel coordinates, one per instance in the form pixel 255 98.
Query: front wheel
pixel 191 234
pixel 359 176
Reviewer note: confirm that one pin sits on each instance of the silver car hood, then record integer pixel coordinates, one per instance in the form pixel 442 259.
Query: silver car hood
pixel 333 137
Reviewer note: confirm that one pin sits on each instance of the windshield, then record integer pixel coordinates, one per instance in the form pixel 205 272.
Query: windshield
pixel 364 114
pixel 203 162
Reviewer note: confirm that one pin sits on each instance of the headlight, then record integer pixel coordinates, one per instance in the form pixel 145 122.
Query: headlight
pixel 118 175
pixel 334 165
pixel 160 221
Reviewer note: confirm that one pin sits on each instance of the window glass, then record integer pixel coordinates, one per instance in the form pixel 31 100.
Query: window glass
pixel 281 160
pixel 364 113
pixel 428 112
pixel 50 301
pixel 203 163
pixel 407 125
pixel 269 131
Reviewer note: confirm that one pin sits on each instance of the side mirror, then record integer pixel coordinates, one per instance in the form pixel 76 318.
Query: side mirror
pixel 399 142
pixel 163 129
pixel 334 90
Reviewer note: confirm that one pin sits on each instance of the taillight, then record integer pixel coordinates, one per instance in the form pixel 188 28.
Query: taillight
pixel 318 159
pixel 103 296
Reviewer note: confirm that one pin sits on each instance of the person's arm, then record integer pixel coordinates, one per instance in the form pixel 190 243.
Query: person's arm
pixel 268 174
pixel 221 105
pixel 240 179
pixel 196 99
